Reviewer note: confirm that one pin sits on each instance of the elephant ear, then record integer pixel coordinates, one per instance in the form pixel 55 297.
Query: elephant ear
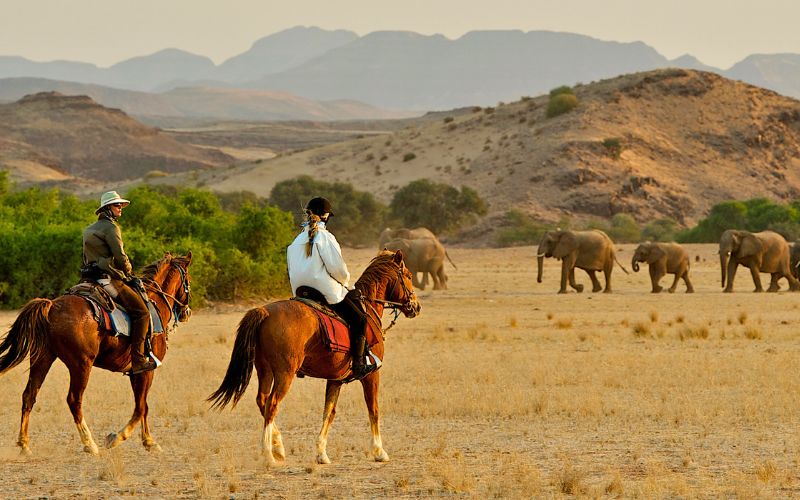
pixel 656 254
pixel 750 246
pixel 567 243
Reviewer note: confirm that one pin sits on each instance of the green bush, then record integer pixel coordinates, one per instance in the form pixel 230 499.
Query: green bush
pixel 665 229
pixel 560 104
pixel 235 254
pixel 613 146
pixel 754 215
pixel 439 207
pixel 622 228
pixel 409 157
pixel 521 230
pixel 563 89
pixel 359 216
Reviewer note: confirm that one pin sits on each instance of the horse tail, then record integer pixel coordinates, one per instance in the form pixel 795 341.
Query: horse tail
pixel 451 260
pixel 243 357
pixel 27 336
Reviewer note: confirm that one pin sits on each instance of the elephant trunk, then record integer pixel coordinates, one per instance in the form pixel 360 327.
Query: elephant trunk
pixel 723 264
pixel 539 261
pixel 635 264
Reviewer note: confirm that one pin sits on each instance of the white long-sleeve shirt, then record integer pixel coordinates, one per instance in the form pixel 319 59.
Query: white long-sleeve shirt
pixel 324 270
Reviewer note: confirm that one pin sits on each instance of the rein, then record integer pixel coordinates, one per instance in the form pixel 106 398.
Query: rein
pixel 395 307
pixel 155 287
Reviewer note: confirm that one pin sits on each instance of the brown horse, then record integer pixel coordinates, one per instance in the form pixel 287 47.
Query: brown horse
pixel 65 328
pixel 284 338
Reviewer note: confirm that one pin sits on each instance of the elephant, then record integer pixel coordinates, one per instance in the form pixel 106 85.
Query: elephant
pixel 766 252
pixel 663 258
pixel 425 255
pixel 412 234
pixel 404 233
pixel 794 259
pixel 588 250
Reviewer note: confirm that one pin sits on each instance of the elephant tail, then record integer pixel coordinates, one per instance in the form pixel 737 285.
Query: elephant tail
pixel 451 260
pixel 620 265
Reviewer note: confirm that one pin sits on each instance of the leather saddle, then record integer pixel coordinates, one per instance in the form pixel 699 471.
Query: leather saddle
pixel 315 299
pixel 111 316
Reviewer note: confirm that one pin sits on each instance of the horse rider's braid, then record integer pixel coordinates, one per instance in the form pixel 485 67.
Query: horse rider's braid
pixel 312 230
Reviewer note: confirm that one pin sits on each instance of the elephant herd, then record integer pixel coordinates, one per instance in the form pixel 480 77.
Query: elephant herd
pixel 593 251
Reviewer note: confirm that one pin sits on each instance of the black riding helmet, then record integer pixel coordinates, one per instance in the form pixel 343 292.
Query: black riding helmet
pixel 320 206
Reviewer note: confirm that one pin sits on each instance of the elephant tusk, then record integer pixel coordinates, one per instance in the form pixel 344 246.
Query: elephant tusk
pixel 539 255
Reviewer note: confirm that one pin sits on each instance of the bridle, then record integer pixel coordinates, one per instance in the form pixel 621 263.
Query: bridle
pixel 180 310
pixel 397 308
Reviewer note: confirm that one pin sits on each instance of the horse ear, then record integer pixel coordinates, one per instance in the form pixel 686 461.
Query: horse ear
pixel 398 257
pixel 189 256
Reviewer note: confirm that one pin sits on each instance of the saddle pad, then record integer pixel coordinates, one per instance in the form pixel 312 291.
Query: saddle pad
pixel 336 334
pixel 121 323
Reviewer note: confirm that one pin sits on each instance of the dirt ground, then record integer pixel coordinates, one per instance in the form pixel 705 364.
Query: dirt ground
pixel 500 388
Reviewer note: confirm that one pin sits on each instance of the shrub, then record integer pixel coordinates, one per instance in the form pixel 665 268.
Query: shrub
pixel 439 207
pixel 521 230
pixel 409 157
pixel 613 146
pixel 448 119
pixel 753 215
pixel 560 104
pixel 622 228
pixel 359 217
pixel 665 229
pixel 563 89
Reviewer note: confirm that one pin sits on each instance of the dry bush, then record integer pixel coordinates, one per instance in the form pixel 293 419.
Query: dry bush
pixel 693 332
pixel 653 316
pixel 641 329
pixel 549 316
pixel 753 333
pixel 113 468
pixel 452 474
pixel 614 486
pixel 564 323
pixel 742 318
pixel 680 318
pixel 766 471
pixel 570 480
pixel 512 322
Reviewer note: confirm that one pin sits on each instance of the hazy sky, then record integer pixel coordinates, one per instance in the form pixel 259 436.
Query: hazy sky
pixel 718 32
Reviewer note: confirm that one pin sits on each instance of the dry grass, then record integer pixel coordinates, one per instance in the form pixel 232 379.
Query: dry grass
pixel 653 316
pixel 564 323
pixel 753 333
pixel 641 329
pixel 471 406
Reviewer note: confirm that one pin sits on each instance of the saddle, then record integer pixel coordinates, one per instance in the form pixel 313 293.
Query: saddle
pixel 111 316
pixel 336 330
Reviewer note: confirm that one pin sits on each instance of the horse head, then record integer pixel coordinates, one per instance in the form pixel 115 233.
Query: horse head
pixel 171 275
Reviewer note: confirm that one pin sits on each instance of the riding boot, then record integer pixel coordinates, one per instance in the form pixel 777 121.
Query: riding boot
pixel 360 369
pixel 140 323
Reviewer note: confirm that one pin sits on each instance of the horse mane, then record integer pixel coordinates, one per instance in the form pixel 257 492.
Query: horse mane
pixel 381 267
pixel 151 271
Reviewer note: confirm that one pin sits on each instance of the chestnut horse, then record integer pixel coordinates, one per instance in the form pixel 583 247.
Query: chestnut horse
pixel 283 338
pixel 65 328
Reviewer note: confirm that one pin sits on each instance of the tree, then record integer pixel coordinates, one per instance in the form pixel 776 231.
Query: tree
pixel 439 207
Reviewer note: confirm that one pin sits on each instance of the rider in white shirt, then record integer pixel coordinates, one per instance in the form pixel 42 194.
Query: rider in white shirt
pixel 315 259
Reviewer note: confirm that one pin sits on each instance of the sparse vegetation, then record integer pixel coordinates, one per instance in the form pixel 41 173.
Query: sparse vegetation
pixel 562 100
pixel 409 156
pixel 613 147
pixel 754 215
pixel 520 229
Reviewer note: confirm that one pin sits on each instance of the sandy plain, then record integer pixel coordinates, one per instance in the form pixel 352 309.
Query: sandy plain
pixel 501 388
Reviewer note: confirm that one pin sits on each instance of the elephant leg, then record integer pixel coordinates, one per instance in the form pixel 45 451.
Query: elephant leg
pixel 574 284
pixel 654 279
pixel 438 283
pixel 756 279
pixel 689 287
pixel 567 272
pixel 731 272
pixel 596 286
pixel 675 282
pixel 773 282
pixel 607 272
pixel 442 276
pixel 660 272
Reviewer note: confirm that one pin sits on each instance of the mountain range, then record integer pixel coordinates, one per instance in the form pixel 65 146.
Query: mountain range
pixel 403 70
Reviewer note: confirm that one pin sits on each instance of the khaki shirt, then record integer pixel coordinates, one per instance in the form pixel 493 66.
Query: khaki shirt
pixel 102 243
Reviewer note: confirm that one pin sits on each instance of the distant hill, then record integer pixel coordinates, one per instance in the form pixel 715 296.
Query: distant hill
pixel 52 137
pixel 217 103
pixel 404 70
pixel 689 140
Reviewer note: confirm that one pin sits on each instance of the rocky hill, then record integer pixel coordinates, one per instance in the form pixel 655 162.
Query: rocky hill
pixel 688 140
pixel 49 136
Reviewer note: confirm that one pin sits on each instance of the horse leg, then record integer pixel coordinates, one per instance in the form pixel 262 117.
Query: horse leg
pixel 370 385
pixel 78 379
pixel 331 397
pixel 39 369
pixel 140 385
pixel 279 389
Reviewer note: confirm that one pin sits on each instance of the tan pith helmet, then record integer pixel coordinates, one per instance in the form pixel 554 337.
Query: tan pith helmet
pixel 111 198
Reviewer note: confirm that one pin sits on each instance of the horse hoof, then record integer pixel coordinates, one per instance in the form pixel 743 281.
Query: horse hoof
pixel 25 451
pixel 382 456
pixel 152 447
pixel 92 450
pixel 323 459
pixel 111 440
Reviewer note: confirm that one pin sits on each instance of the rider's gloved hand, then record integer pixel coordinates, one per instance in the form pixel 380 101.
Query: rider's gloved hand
pixel 135 283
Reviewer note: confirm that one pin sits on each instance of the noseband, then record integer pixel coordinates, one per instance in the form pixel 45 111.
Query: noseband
pixel 396 307
pixel 180 309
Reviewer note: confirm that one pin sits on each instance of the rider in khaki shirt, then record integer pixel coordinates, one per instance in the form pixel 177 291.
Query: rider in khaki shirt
pixel 105 262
